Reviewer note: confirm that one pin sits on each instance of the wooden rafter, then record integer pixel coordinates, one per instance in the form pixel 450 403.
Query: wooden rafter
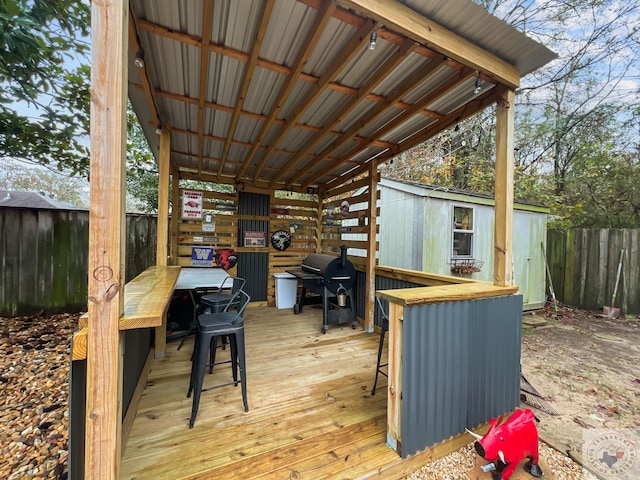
pixel 134 45
pixel 416 78
pixel 302 126
pixel 406 115
pixel 249 69
pixel 425 31
pixel 357 42
pixel 392 62
pixel 459 114
pixel 207 20
pixel 316 30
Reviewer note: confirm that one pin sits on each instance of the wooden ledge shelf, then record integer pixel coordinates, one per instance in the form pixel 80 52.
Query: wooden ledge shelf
pixel 445 293
pixel 146 300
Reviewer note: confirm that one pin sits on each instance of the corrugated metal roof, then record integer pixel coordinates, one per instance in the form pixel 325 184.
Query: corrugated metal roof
pixel 318 103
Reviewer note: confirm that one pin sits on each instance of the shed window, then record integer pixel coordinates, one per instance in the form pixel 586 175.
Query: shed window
pixel 462 232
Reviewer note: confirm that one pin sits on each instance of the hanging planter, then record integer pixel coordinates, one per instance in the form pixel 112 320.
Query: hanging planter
pixel 466 265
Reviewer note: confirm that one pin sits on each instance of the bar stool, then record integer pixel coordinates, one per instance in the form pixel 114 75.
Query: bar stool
pixel 383 330
pixel 209 327
pixel 216 302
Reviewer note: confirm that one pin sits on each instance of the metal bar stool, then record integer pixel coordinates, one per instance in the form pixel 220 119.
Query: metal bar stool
pixel 383 330
pixel 216 302
pixel 210 326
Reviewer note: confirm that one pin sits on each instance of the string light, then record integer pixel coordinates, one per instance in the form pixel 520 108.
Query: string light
pixel 372 40
pixel 478 86
pixel 139 61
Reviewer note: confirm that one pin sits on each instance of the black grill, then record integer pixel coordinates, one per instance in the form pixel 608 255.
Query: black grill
pixel 329 277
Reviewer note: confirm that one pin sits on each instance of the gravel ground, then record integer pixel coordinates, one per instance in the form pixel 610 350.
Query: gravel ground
pixel 34 361
pixel 34 366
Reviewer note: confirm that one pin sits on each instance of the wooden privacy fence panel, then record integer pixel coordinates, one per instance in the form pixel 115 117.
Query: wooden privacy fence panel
pixel 584 263
pixel 43 258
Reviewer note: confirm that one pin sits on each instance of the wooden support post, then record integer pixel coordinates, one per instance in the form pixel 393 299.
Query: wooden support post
pixel 175 214
pixel 163 197
pixel 503 241
pixel 163 227
pixel 321 192
pixel 109 24
pixel 370 275
pixel 394 391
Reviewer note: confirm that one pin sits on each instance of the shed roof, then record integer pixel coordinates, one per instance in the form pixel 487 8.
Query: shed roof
pixel 455 194
pixel 288 94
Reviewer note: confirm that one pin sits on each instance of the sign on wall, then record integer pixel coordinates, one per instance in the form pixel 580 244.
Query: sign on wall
pixel 191 204
pixel 202 256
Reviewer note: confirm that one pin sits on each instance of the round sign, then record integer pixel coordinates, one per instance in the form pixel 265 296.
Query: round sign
pixel 281 240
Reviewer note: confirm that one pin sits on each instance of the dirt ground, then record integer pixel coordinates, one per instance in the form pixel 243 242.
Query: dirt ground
pixel 588 368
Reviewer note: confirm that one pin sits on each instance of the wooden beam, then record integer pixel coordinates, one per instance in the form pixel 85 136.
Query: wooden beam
pixel 416 78
pixel 370 274
pixel 144 78
pixel 315 31
pixel 389 65
pixel 109 25
pixel 207 20
pixel 419 106
pixel 250 66
pixel 175 214
pixel 503 238
pixel 394 389
pixel 163 227
pixel 358 40
pixel 402 19
pixel 163 197
pixel 321 197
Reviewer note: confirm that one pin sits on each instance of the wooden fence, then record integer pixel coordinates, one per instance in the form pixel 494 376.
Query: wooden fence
pixel 584 263
pixel 43 258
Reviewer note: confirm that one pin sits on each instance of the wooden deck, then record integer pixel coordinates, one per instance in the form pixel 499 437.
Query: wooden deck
pixel 311 413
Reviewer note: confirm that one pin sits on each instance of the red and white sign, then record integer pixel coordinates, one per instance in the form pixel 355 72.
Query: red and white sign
pixel 191 204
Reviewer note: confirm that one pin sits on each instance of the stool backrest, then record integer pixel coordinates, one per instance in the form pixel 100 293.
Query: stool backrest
pixel 240 301
pixel 383 313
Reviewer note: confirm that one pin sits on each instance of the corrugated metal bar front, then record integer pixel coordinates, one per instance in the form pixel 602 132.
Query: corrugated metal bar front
pixel 461 367
pixel 495 348
pixel 253 267
pixel 382 283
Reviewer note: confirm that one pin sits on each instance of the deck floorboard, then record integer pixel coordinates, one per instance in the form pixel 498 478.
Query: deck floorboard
pixel 311 413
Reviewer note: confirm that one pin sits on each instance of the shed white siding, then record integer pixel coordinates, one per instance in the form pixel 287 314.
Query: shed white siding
pixel 416 232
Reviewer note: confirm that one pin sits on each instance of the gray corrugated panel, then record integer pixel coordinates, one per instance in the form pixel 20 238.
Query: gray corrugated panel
pixel 287 31
pixel 253 204
pixel 249 263
pixel 489 32
pixel 412 63
pixel 336 34
pixel 443 74
pixel 497 333
pixel 452 378
pixel 264 88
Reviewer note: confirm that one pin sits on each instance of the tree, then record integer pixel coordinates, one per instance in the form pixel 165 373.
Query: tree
pixel 44 103
pixel 21 177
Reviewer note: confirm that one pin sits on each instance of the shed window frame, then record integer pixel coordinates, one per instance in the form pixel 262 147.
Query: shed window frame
pixel 459 230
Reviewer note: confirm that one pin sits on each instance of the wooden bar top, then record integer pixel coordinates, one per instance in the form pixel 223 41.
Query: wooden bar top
pixel 146 300
pixel 445 293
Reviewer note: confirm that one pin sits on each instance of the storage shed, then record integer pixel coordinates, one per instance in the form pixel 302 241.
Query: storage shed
pixel 451 232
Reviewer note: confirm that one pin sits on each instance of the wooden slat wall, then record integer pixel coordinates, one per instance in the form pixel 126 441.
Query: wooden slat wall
pixel 357 241
pixel 285 209
pixel 226 229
